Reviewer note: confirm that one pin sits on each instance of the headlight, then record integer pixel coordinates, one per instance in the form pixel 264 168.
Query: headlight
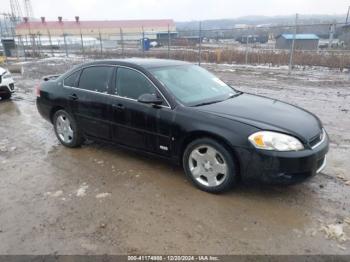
pixel 275 141
pixel 7 74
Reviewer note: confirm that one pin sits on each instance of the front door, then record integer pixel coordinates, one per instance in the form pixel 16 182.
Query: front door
pixel 142 126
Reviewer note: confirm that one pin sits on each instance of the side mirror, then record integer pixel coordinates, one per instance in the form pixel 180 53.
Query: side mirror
pixel 150 99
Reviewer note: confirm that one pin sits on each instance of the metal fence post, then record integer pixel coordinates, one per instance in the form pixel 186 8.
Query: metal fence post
pixel 122 41
pixel 246 49
pixel 142 43
pixel 50 42
pixel 331 35
pixel 82 45
pixel 32 41
pixel 16 46
pixel 23 47
pixel 200 44
pixel 26 43
pixel 293 46
pixel 101 47
pixel 39 45
pixel 169 41
pixel 65 44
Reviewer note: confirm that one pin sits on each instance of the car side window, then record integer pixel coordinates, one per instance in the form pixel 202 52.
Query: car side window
pixel 72 80
pixel 132 84
pixel 96 78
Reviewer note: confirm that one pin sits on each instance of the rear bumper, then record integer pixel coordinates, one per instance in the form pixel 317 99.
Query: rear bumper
pixel 286 167
pixel 43 109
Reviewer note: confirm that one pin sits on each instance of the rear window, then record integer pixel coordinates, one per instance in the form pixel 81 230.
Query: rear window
pixel 96 78
pixel 72 80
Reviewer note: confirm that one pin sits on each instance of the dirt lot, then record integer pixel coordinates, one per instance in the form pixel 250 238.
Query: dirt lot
pixel 99 199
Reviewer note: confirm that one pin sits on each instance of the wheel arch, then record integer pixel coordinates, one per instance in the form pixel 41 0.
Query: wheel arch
pixel 54 110
pixel 205 134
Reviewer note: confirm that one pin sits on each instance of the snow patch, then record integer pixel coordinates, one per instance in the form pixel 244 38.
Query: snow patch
pixel 103 195
pixel 81 192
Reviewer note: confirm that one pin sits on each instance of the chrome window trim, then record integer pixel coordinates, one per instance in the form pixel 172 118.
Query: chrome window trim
pixel 115 95
pixel 89 91
pixel 149 80
pixel 322 140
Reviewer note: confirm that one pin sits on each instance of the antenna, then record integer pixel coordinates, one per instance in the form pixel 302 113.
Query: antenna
pixel 28 9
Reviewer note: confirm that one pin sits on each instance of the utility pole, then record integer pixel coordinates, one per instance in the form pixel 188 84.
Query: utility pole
pixel 347 16
pixel 293 46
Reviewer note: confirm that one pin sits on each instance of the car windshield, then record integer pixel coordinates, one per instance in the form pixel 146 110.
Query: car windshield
pixel 193 85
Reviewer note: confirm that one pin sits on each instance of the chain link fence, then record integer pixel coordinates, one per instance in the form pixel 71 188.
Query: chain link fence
pixel 245 45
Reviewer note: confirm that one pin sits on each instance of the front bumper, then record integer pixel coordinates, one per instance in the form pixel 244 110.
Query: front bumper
pixel 286 167
pixel 7 86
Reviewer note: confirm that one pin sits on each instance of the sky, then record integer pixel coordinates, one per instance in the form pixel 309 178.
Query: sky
pixel 179 10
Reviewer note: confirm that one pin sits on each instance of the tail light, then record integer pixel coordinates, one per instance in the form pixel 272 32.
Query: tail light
pixel 37 90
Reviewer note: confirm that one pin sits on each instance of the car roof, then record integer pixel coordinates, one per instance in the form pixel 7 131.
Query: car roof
pixel 146 63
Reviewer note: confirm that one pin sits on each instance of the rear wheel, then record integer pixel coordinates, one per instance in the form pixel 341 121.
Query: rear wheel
pixel 66 129
pixel 210 166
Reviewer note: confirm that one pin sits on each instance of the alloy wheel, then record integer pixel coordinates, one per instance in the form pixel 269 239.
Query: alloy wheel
pixel 64 129
pixel 208 166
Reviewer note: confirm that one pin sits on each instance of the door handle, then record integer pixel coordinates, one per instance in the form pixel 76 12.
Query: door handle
pixel 74 97
pixel 118 106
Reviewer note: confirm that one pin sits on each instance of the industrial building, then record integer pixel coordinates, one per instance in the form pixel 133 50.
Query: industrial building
pixel 131 29
pixel 302 41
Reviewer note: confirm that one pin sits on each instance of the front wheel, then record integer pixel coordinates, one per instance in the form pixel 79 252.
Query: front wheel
pixel 210 166
pixel 6 96
pixel 66 129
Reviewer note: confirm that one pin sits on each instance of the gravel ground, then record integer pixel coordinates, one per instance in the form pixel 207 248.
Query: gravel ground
pixel 99 199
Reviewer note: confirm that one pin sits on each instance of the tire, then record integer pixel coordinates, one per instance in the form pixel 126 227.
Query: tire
pixel 6 96
pixel 210 166
pixel 66 129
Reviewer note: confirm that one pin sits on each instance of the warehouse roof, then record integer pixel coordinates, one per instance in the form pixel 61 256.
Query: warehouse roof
pixel 300 36
pixel 96 24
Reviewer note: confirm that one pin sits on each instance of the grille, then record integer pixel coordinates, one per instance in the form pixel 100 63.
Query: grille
pixel 316 139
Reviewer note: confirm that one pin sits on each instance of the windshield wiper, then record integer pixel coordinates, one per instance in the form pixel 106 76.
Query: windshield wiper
pixel 217 101
pixel 208 103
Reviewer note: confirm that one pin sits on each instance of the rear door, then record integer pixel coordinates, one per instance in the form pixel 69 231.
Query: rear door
pixel 89 100
pixel 135 124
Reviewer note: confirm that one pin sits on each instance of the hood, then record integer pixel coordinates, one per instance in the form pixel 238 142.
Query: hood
pixel 267 114
pixel 2 71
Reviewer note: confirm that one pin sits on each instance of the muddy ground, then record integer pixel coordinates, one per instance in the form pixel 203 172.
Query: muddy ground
pixel 100 199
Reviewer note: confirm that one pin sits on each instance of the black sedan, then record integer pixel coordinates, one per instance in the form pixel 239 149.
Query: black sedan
pixel 181 112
